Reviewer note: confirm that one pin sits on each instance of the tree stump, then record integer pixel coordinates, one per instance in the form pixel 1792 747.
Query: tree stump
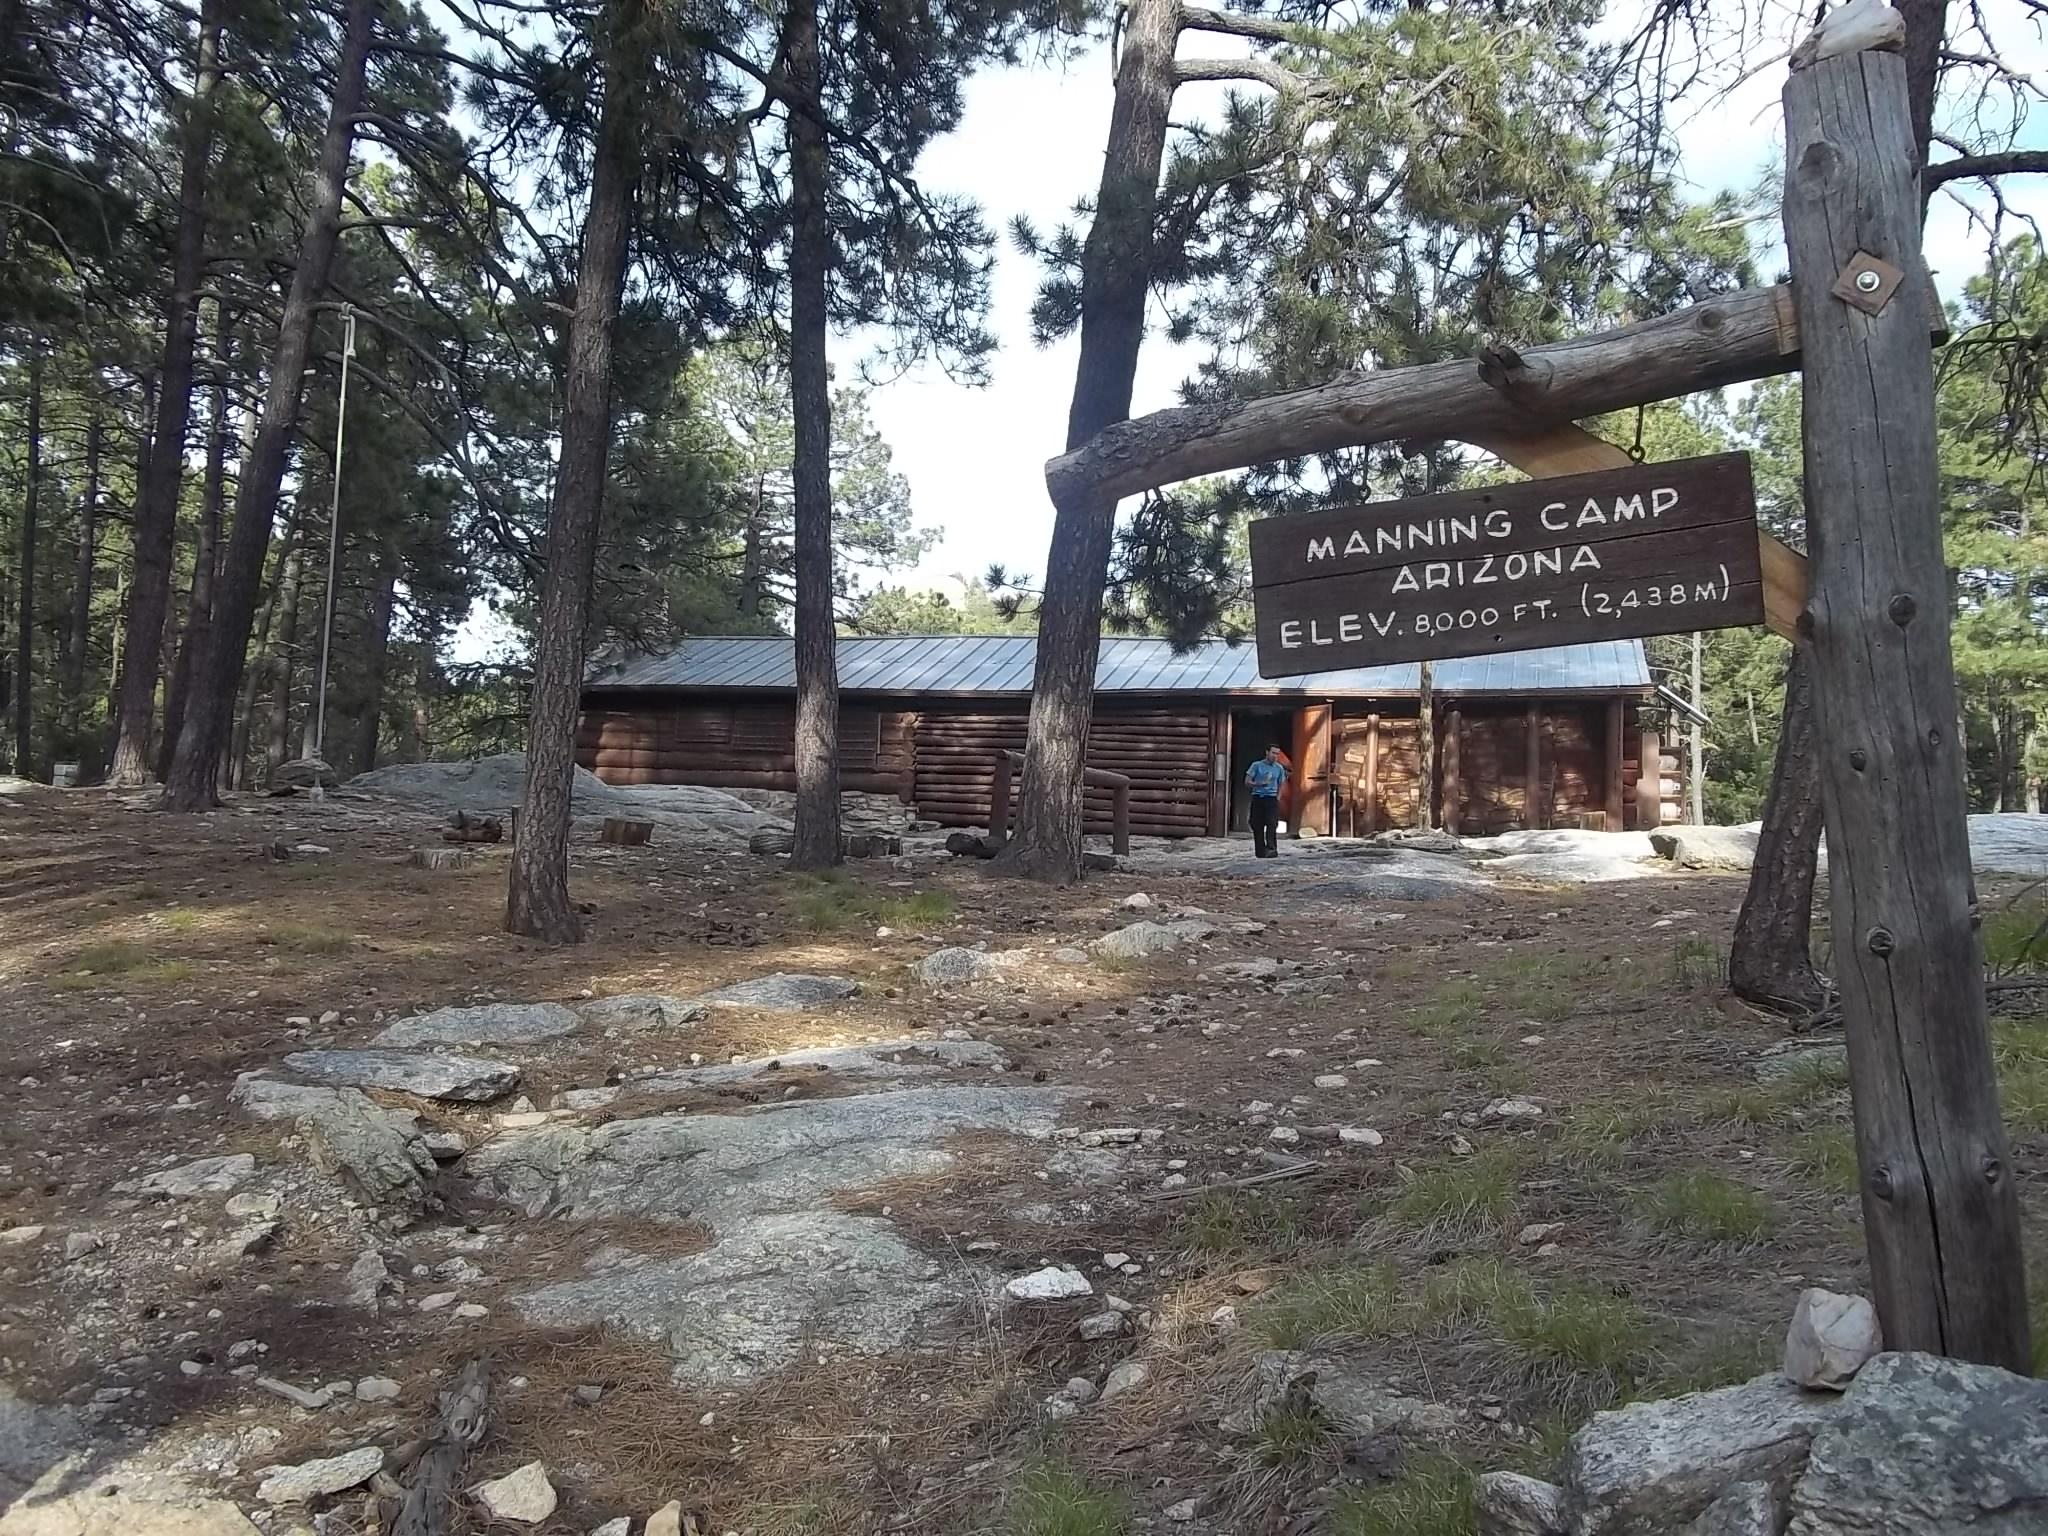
pixel 442 858
pixel 870 845
pixel 622 833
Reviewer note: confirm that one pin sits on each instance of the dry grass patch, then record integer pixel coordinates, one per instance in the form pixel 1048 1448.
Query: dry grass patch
pixel 1703 1204
pixel 1431 1497
pixel 1053 1498
pixel 1333 1303
pixel 1471 1197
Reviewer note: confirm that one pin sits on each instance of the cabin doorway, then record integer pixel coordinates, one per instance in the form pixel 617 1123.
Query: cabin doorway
pixel 1251 732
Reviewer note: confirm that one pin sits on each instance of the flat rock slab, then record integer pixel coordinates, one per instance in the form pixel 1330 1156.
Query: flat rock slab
pixel 464 1079
pixel 641 1010
pixel 725 1169
pixel 490 1024
pixel 1650 1467
pixel 1713 848
pixel 110 1513
pixel 380 1150
pixel 772 1289
pixel 1924 1447
pixel 1145 938
pixel 783 992
pixel 194 1180
pixel 882 1059
pixel 313 1479
pixel 968 967
pixel 33 1439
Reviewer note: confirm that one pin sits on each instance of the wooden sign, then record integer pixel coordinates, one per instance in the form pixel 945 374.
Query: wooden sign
pixel 1653 549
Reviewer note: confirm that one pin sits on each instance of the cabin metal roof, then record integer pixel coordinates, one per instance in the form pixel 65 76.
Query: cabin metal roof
pixel 1002 664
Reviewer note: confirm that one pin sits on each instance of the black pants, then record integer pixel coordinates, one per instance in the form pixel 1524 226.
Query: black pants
pixel 1266 825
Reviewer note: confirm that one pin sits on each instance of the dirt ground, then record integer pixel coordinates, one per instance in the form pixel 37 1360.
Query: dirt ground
pixel 1580 1191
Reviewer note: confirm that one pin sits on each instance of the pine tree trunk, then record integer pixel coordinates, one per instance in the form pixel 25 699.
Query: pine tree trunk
pixel 25 616
pixel 751 561
pixel 1770 961
pixel 810 258
pixel 156 501
pixel 195 769
pixel 205 557
pixel 1116 271
pixel 537 903
pixel 264 668
pixel 278 739
pixel 376 650
pixel 78 631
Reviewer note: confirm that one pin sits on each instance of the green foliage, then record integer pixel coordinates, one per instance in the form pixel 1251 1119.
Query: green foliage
pixel 1708 1205
pixel 1471 1195
pixel 833 901
pixel 1051 1498
pixel 1331 1303
pixel 1826 1155
pixel 1243 1223
pixel 1580 1329
pixel 1432 1496
pixel 2020 1047
pixel 1291 1435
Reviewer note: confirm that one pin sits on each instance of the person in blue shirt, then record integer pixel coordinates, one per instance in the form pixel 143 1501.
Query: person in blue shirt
pixel 1266 777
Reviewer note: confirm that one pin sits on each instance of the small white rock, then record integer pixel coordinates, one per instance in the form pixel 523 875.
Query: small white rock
pixel 313 1479
pixel 1285 1134
pixel 1359 1135
pixel 1333 1080
pixel 1055 1282
pixel 1830 1339
pixel 1127 1377
pixel 525 1496
pixel 376 1389
pixel 1538 1232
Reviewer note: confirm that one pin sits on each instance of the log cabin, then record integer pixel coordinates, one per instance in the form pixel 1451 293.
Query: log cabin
pixel 1546 738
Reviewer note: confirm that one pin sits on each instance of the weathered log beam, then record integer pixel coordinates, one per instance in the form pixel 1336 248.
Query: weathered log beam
pixel 1746 335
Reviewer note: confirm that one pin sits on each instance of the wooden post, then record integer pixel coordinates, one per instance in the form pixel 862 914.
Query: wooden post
pixel 1219 772
pixel 1372 774
pixel 1617 804
pixel 1120 814
pixel 1452 752
pixel 1533 809
pixel 1425 750
pixel 1649 781
pixel 999 801
pixel 1940 1207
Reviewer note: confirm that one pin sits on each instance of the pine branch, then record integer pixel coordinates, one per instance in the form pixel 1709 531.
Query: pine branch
pixel 1980 167
pixel 1263 71
pixel 1199 18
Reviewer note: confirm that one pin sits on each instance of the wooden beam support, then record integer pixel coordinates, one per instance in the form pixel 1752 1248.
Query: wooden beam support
pixel 1372 775
pixel 1746 335
pixel 1454 787
pixel 999 800
pixel 1533 809
pixel 1312 768
pixel 1940 1195
pixel 1569 449
pixel 1617 801
pixel 1425 750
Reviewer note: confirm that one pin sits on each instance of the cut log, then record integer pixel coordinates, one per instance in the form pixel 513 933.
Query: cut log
pixel 442 858
pixel 437 1475
pixel 623 833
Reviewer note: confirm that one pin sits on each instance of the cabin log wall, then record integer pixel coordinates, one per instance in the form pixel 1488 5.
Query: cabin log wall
pixel 942 757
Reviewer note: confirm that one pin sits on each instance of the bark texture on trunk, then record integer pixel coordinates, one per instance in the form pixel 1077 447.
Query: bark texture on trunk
pixel 537 903
pixel 205 558
pixel 1940 1203
pixel 376 650
pixel 283 653
pixel 810 261
pixel 1116 273
pixel 192 783
pixel 156 501
pixel 78 630
pixel 25 617
pixel 1770 961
